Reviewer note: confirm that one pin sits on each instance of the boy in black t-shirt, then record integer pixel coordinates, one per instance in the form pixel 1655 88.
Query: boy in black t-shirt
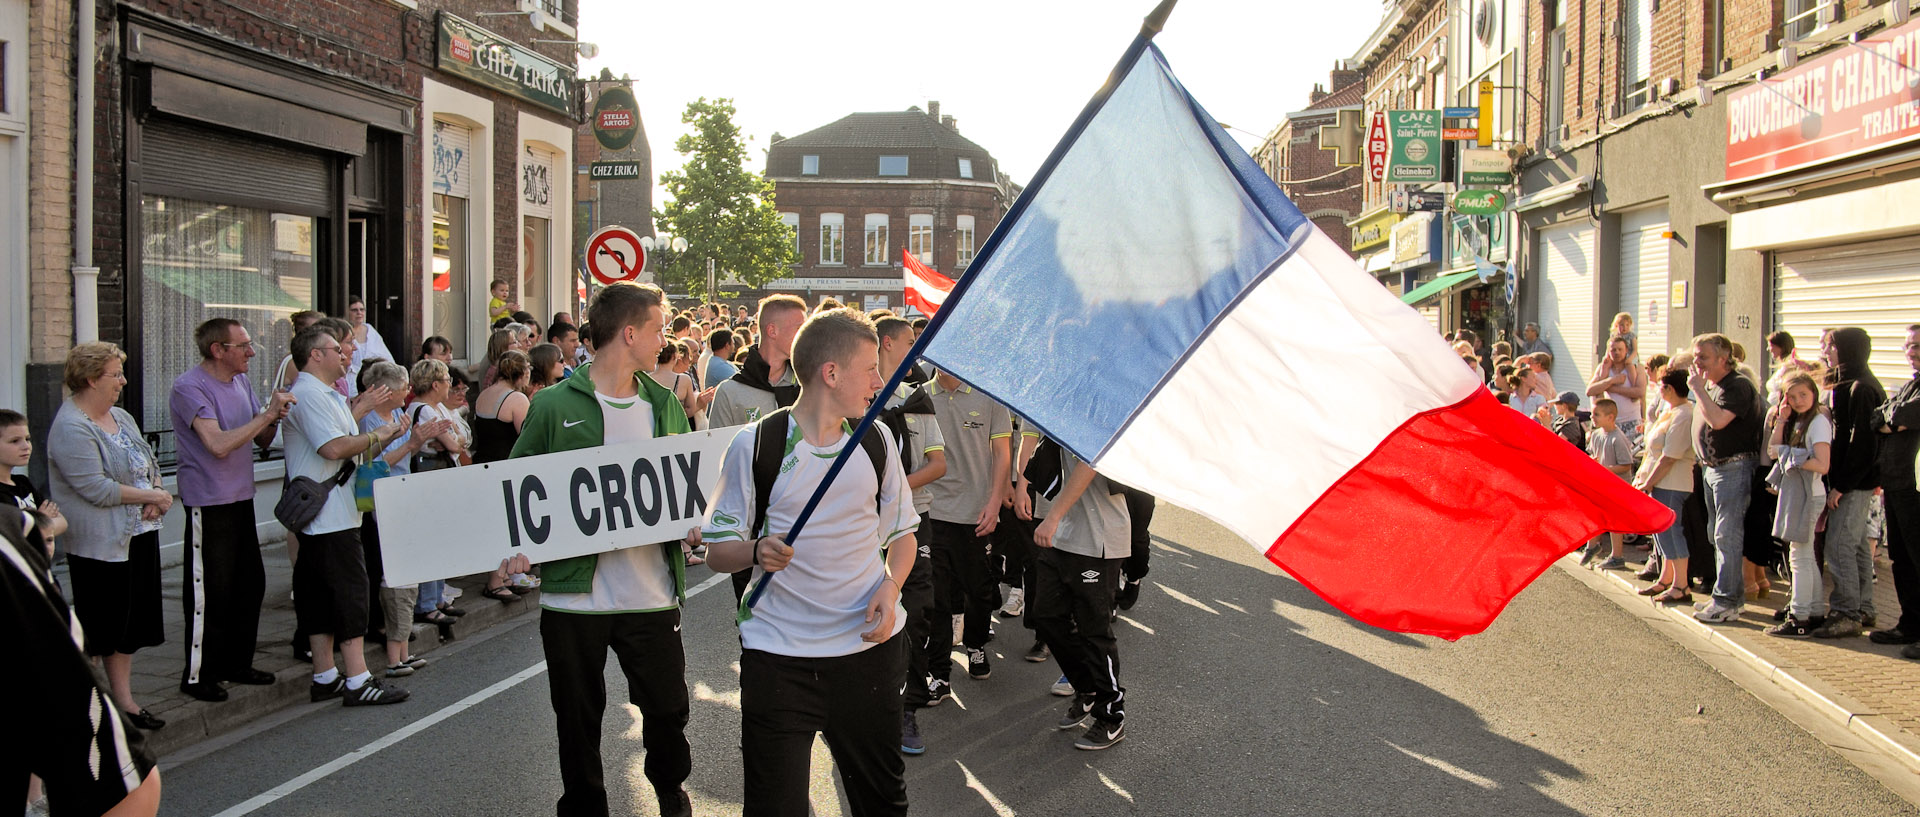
pixel 16 448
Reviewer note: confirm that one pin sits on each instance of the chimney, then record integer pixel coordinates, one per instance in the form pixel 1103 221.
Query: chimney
pixel 933 108
pixel 952 125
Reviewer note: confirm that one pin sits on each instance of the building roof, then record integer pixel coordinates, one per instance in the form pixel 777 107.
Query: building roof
pixel 911 128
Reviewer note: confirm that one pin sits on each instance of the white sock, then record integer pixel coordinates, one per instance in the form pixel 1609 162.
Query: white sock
pixel 332 674
pixel 358 681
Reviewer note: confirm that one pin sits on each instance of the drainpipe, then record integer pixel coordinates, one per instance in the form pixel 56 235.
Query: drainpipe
pixel 86 276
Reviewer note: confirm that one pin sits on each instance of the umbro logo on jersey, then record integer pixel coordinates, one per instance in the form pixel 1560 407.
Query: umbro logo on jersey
pixel 1090 576
pixel 570 423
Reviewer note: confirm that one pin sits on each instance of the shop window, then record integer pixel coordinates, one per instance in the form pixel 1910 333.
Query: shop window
pixel 201 260
pixel 451 271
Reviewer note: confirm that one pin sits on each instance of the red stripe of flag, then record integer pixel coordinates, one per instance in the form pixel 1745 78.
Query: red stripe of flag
pixel 926 289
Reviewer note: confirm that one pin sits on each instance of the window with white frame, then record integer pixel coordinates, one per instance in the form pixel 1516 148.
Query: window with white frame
pixel 792 221
pixel 539 177
pixel 920 236
pixel 833 238
pixel 893 165
pixel 966 168
pixel 876 254
pixel 1804 17
pixel 451 176
pixel 1556 103
pixel 809 165
pixel 963 239
pixel 1636 54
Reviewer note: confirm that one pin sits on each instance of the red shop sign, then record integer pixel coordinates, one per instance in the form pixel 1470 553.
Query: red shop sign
pixel 1850 100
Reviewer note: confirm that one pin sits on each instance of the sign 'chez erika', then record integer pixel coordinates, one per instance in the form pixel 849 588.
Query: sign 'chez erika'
pixel 469 51
pixel 1847 101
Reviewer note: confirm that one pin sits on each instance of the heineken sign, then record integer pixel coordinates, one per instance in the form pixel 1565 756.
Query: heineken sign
pixel 467 50
pixel 1480 202
pixel 616 118
pixel 1414 146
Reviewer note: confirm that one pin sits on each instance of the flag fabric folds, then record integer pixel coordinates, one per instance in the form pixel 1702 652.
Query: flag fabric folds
pixel 926 289
pixel 1155 303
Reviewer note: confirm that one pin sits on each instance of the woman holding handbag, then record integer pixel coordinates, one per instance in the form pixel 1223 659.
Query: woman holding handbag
pixel 431 384
pixel 394 606
pixel 107 484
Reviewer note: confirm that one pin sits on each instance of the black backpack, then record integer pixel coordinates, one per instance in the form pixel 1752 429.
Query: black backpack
pixel 770 447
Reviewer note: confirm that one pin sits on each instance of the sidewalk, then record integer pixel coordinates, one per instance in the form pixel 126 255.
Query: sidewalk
pixel 1866 687
pixel 156 671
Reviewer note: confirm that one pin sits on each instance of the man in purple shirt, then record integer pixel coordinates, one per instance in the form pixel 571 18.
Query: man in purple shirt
pixel 217 420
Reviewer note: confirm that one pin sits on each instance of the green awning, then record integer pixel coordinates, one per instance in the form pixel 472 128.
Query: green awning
pixel 1437 286
pixel 225 288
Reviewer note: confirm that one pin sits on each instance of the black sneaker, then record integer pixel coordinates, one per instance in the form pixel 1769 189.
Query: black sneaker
pixel 910 741
pixel 1129 595
pixel 978 667
pixel 373 693
pixel 675 803
pixel 1791 628
pixel 938 691
pixel 1102 735
pixel 1077 713
pixel 1893 635
pixel 1038 653
pixel 326 692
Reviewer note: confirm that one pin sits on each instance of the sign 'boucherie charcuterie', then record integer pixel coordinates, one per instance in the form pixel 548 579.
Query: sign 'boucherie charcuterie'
pixel 1847 101
pixel 548 507
pixel 487 58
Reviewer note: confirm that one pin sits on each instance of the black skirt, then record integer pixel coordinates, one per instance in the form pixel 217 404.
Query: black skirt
pixel 119 602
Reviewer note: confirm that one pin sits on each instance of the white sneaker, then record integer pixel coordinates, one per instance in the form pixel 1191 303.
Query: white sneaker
pixel 1717 613
pixel 1062 687
pixel 1016 603
pixel 450 594
pixel 959 628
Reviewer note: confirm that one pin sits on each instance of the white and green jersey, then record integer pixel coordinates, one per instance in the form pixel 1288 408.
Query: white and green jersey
pixel 817 606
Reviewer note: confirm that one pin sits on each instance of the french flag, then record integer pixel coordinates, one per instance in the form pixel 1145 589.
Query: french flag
pixel 1154 303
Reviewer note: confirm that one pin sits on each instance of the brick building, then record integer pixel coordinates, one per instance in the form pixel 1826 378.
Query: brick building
pixel 253 158
pixel 1329 195
pixel 864 188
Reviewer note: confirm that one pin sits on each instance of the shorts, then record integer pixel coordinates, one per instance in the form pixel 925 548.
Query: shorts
pixel 397 603
pixel 330 585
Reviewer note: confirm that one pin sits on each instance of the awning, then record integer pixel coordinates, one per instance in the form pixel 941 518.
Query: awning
pixel 225 288
pixel 1437 286
pixel 1553 195
pixel 1375 262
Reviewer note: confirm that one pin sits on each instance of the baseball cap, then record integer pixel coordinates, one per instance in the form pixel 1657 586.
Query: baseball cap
pixel 1568 398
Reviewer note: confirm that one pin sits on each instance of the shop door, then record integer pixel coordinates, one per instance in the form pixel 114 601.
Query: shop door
pixel 1874 285
pixel 1566 303
pixel 1644 278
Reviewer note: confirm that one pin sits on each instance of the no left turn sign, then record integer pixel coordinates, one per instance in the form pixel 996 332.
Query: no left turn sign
pixel 614 254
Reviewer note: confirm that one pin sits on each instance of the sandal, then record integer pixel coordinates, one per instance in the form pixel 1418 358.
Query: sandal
pixel 451 610
pixel 501 594
pixel 1653 589
pixel 1674 595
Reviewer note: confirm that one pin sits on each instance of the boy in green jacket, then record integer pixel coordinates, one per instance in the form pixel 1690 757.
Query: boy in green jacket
pixel 627 598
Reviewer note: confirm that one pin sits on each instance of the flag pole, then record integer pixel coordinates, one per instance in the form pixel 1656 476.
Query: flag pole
pixel 1154 23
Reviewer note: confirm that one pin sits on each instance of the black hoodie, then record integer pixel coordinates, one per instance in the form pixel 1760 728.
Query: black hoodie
pixel 1856 393
pixel 756 373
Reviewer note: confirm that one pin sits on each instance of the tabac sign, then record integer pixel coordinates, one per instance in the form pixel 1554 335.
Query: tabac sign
pixel 1850 100
pixel 487 58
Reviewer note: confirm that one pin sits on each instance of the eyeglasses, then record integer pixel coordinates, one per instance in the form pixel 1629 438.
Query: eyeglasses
pixel 248 344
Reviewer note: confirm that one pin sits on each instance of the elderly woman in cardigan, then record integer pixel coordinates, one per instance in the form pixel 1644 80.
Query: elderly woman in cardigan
pixel 107 482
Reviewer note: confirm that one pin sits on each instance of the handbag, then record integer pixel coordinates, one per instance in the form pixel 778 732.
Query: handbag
pixel 363 478
pixel 303 498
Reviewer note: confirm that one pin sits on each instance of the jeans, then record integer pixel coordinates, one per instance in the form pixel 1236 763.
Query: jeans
pixel 1672 541
pixel 1849 561
pixel 1807 600
pixel 431 594
pixel 1729 488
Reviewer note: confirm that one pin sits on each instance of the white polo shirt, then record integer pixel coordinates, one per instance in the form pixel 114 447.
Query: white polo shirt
pixel 319 416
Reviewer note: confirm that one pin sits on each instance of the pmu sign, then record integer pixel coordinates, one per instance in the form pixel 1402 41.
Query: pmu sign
pixel 552 506
pixel 1378 146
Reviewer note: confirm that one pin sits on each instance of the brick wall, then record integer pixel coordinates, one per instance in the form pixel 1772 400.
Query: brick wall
pixel 898 201
pixel 50 179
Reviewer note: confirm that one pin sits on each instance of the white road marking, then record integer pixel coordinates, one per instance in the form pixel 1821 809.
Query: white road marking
pixel 993 802
pixel 702 692
pixel 1186 599
pixel 329 768
pixel 1456 771
pixel 1137 625
pixel 1112 785
pixel 1231 606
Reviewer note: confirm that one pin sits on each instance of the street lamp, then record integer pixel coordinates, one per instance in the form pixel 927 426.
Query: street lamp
pixel 663 243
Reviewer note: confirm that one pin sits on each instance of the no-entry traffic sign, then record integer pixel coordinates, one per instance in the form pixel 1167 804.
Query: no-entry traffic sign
pixel 614 254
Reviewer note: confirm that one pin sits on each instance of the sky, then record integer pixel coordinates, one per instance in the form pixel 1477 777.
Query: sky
pixel 1014 73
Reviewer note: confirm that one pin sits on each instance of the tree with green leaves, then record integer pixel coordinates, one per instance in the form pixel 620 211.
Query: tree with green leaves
pixel 723 210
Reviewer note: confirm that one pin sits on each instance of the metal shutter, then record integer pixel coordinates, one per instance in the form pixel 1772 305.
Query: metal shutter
pixel 211 165
pixel 452 159
pixel 1643 278
pixel 1432 314
pixel 1566 303
pixel 1874 285
pixel 539 182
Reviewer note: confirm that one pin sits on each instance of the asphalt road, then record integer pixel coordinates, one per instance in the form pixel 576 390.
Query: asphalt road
pixel 1247 695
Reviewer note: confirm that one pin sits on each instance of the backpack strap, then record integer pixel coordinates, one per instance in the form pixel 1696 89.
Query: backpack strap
pixel 769 447
pixel 877 451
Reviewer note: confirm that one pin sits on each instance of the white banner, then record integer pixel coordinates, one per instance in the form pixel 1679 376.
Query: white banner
pixel 460 521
